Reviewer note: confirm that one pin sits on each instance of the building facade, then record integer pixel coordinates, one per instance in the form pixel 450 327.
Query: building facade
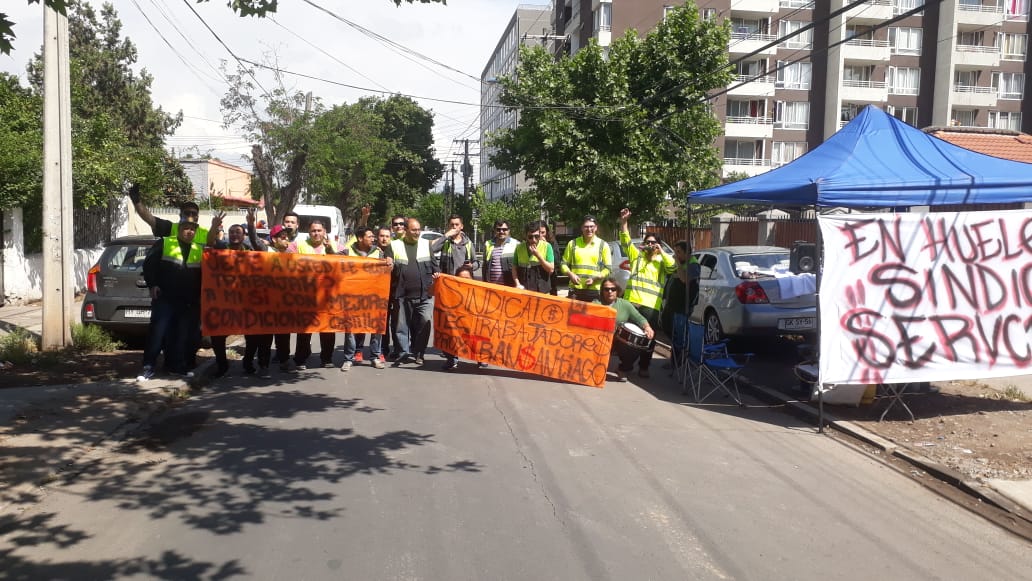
pixel 953 63
pixel 529 25
pixel 215 178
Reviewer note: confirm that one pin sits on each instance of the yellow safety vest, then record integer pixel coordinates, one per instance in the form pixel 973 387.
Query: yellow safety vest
pixel 423 253
pixel 172 251
pixel 645 286
pixel 202 232
pixel 585 259
pixel 304 247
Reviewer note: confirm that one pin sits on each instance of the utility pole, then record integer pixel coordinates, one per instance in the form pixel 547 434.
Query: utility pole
pixel 58 282
pixel 467 167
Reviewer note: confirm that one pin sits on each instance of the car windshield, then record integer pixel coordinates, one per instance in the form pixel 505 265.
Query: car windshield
pixel 126 257
pixel 753 265
pixel 306 222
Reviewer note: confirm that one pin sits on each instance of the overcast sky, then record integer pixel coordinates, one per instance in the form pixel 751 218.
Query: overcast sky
pixel 460 35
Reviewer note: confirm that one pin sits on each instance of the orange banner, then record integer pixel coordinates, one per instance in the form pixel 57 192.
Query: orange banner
pixel 271 292
pixel 523 330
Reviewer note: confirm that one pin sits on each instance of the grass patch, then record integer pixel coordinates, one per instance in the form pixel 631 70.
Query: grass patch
pixel 1015 394
pixel 18 347
pixel 93 339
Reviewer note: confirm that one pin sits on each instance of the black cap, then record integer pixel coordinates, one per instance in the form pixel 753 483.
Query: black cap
pixel 190 205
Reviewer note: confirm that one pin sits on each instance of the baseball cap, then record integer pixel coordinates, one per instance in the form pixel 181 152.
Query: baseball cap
pixel 276 230
pixel 191 205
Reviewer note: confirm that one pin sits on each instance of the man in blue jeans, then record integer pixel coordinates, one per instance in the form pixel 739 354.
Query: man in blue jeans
pixel 413 279
pixel 172 271
pixel 364 245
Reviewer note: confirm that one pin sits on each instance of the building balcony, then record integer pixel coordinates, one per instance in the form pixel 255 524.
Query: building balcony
pixel 865 91
pixel 980 15
pixel 971 96
pixel 868 51
pixel 748 166
pixel 751 43
pixel 873 10
pixel 802 4
pixel 752 127
pixel 753 87
pixel 760 8
pixel 966 55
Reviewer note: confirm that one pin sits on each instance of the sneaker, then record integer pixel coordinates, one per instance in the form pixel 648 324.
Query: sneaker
pixel 301 367
pixel 379 363
pixel 450 364
pixel 482 365
pixel 221 369
pixel 394 356
pixel 418 360
pixel 284 367
pixel 183 374
pixel 263 372
pixel 147 373
pixel 358 357
pixel 328 365
pixel 621 376
pixel 382 358
pixel 346 366
pixel 249 371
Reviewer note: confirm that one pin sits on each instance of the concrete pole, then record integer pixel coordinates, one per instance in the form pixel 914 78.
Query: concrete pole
pixel 58 282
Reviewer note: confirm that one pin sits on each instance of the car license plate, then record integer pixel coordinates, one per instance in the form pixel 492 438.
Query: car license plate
pixel 797 324
pixel 137 313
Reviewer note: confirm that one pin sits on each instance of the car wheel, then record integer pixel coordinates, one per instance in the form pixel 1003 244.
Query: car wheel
pixel 714 330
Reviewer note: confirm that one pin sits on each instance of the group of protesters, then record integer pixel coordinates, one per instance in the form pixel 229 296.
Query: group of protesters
pixel 655 290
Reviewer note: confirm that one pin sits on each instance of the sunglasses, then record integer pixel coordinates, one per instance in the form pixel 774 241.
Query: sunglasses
pixel 609 289
pixel 651 242
pixel 501 229
pixel 397 224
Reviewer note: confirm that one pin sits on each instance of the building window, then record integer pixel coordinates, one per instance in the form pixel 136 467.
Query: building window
pixel 794 76
pixel 905 40
pixel 1005 120
pixel 971 38
pixel 708 14
pixel 1013 47
pixel 904 80
pixel 748 109
pixel 964 117
pixel 604 17
pixel 792 115
pixel 1009 85
pixel 743 152
pixel 786 151
pixel 1017 9
pixel 805 4
pixel 901 6
pixel 964 80
pixel 907 115
pixel 803 40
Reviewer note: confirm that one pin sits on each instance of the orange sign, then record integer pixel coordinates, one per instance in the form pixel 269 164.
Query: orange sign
pixel 271 292
pixel 523 330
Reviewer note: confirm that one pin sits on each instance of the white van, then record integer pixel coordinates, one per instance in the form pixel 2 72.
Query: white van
pixel 330 215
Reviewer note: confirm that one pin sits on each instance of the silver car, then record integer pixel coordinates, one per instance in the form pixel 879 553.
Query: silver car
pixel 747 291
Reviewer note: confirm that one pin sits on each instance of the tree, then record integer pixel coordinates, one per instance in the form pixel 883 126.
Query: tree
pixel 598 132
pixel 411 168
pixel 21 134
pixel 518 210
pixel 259 8
pixel 280 132
pixel 347 157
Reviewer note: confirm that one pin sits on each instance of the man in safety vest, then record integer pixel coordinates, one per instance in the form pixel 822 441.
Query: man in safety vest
pixel 414 270
pixel 455 247
pixel 364 245
pixel 586 260
pixel 649 270
pixel 533 262
pixel 172 271
pixel 316 243
pixel 498 253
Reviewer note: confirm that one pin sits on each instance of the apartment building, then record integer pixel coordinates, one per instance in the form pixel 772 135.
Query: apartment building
pixel 530 25
pixel 953 63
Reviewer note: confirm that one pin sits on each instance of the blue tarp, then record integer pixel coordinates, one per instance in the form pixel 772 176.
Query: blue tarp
pixel 879 161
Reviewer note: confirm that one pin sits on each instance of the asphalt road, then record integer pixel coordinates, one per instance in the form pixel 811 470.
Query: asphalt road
pixel 419 474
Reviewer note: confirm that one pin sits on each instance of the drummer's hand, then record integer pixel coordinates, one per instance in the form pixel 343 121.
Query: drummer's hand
pixel 649 333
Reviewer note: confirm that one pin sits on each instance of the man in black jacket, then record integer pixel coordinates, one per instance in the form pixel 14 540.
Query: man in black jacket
pixel 172 271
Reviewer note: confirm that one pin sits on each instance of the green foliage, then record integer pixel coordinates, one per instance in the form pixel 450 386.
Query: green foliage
pixel 19 346
pixel 21 155
pixel 599 132
pixel 517 210
pixel 93 339
pixel 430 209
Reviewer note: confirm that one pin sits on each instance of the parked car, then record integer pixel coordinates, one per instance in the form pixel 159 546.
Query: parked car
pixel 117 299
pixel 740 296
pixel 621 266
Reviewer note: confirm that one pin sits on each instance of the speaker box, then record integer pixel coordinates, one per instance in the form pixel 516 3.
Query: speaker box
pixel 803 258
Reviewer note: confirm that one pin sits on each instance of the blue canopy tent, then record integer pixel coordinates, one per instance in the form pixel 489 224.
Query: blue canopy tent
pixel 879 161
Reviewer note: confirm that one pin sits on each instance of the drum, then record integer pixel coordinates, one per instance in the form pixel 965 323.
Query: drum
pixel 633 336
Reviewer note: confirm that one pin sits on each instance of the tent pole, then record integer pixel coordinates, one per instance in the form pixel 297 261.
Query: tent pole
pixel 817 297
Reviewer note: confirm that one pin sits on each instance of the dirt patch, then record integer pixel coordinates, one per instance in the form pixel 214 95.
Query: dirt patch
pixel 82 368
pixel 977 430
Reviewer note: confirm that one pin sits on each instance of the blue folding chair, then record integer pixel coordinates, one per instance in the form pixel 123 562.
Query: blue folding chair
pixel 711 364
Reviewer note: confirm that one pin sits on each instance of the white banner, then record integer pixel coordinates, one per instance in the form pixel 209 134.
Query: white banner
pixel 925 297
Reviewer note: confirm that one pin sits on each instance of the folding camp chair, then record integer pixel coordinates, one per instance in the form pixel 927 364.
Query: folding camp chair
pixel 712 364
